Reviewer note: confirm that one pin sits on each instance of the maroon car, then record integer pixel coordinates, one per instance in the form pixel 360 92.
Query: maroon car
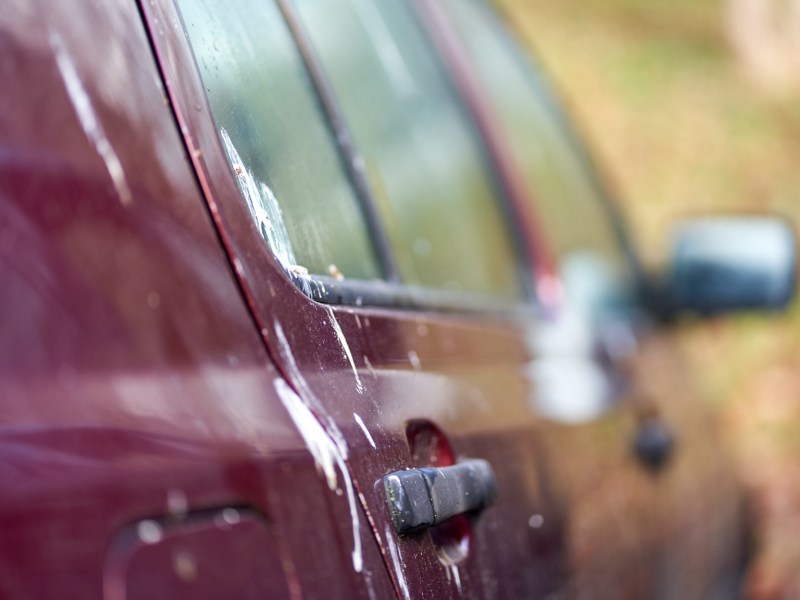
pixel 322 299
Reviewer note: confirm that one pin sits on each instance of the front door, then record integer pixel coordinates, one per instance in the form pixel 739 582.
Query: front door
pixel 384 279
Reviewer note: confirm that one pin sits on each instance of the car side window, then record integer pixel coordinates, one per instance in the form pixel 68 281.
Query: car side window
pixel 277 139
pixel 577 222
pixel 424 161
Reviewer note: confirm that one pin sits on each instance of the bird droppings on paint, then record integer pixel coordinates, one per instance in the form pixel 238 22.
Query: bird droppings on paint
pixel 345 349
pixel 299 270
pixel 394 554
pixel 263 205
pixel 328 456
pixel 363 427
pixel 413 358
pixel 306 392
pixel 370 368
pixel 456 577
pixel 335 273
pixel 316 438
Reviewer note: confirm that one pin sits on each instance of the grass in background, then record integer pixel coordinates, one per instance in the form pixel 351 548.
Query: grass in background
pixel 680 131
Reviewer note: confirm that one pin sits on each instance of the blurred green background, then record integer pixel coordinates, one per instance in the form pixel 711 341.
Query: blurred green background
pixel 693 106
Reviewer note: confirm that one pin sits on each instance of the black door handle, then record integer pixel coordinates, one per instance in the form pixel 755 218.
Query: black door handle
pixel 654 444
pixel 424 497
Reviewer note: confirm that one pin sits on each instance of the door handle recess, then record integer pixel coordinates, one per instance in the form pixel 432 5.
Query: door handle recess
pixel 424 497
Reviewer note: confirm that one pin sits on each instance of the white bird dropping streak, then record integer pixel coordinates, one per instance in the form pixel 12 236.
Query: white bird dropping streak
pixel 365 430
pixel 326 454
pixel 396 563
pixel 346 349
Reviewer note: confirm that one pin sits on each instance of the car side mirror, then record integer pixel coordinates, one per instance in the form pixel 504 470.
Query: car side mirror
pixel 727 264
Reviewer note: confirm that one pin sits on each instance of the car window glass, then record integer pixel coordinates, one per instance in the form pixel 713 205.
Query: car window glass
pixel 575 218
pixel 276 138
pixel 422 157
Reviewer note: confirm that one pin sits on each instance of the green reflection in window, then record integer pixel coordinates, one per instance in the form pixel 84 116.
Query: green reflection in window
pixel 574 214
pixel 276 137
pixel 423 160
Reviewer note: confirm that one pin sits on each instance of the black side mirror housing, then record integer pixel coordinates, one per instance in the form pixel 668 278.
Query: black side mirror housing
pixel 729 264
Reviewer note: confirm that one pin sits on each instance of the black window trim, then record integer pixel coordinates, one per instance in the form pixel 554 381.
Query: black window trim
pixel 348 153
pixel 402 296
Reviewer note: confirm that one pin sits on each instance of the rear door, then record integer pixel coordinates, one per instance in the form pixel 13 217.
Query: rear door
pixel 640 456
pixel 386 282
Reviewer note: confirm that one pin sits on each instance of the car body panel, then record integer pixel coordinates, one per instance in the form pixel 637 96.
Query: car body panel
pixel 160 370
pixel 135 386
pixel 385 368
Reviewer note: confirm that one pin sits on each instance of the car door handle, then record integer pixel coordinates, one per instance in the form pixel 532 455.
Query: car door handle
pixel 654 444
pixel 423 497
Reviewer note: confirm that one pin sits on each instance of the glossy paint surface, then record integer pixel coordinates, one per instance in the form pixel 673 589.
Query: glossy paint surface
pixel 135 386
pixel 169 393
pixel 383 368
pixel 367 372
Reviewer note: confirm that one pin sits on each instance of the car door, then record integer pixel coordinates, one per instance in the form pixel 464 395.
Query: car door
pixel 642 466
pixel 386 281
pixel 145 450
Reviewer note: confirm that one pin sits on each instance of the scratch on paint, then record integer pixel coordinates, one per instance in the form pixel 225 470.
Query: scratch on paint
pixel 334 449
pixel 88 118
pixel 365 430
pixel 346 349
pixel 326 454
pixel 398 566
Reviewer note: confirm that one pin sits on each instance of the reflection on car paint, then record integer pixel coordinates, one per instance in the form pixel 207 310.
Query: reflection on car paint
pixel 386 48
pixel 88 118
pixel 569 386
pixel 335 273
pixel 177 503
pixel 149 531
